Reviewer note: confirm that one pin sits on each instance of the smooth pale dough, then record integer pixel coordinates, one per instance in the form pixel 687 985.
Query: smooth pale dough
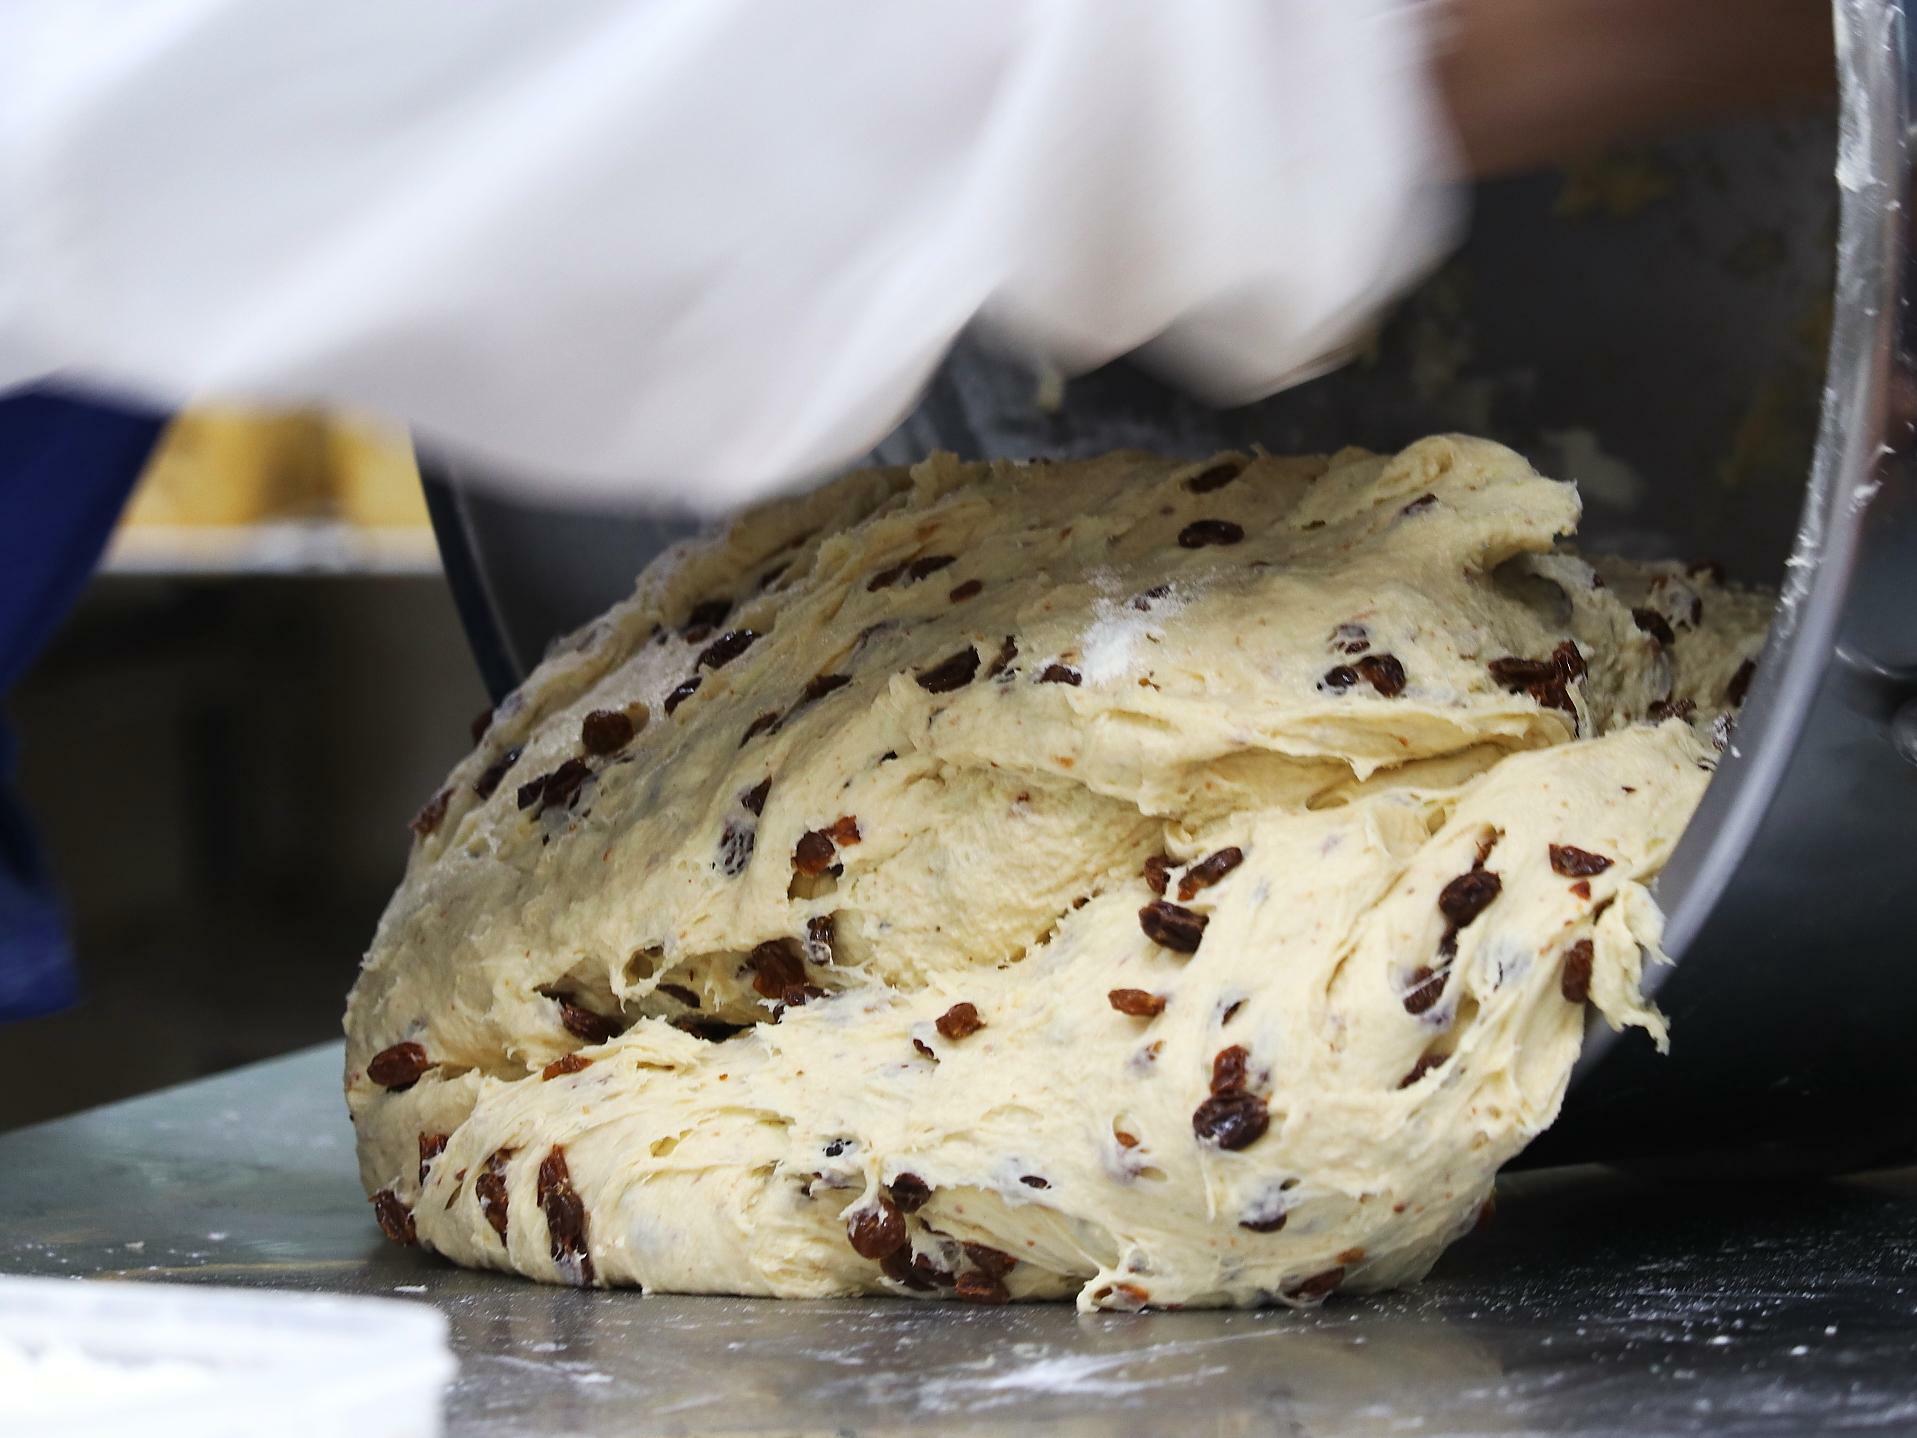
pixel 1177 632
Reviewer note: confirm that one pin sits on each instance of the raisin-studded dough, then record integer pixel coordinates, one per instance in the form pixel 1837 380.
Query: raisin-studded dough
pixel 1157 882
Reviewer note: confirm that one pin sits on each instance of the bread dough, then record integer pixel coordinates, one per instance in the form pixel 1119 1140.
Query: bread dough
pixel 1169 883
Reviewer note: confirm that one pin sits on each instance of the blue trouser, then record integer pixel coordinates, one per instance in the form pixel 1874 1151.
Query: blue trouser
pixel 66 468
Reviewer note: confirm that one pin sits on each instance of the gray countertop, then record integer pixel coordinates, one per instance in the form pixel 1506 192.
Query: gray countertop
pixel 1595 1303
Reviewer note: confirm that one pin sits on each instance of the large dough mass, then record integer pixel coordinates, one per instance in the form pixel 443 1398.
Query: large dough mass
pixel 1168 883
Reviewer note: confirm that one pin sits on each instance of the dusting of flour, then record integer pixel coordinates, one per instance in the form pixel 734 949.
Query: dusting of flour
pixel 1109 649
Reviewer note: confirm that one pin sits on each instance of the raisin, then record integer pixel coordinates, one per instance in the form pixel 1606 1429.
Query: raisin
pixel 1060 674
pixel 1419 505
pixel 1568 660
pixel 924 1048
pixel 1424 990
pixel 488 781
pixel 1318 1286
pixel 1172 926
pixel 726 648
pixel 1265 1223
pixel 713 1031
pixel 885 578
pixel 1424 1065
pixel 1382 672
pixel 767 720
pixel 1157 872
pixel 1136 1002
pixel 1740 684
pixel 681 993
pixel 978 1286
pixel 924 568
pixel 1202 533
pixel 682 693
pixel 1575 982
pixel 1339 678
pixel 1575 863
pixel 844 830
pixel 909 1192
pixel 490 1189
pixel 994 1261
pixel 1032 1180
pixel 1351 638
pixel 1007 652
pixel 1552 694
pixel 585 1025
pixel 557 790
pixel 776 968
pixel 1655 625
pixel 1231 1120
pixel 565 1214
pixel 1209 870
pixel 398 1068
pixel 951 673
pixel 796 996
pixel 971 589
pixel 1662 709
pixel 1231 1069
pixel 431 1146
pixel 818 686
pixel 566 1064
pixel 605 731
pixel 876 1230
pixel 736 842
pixel 708 614
pixel 902 1267
pixel 430 813
pixel 1468 895
pixel 1122 1297
pixel 814 853
pixel 753 799
pixel 1143 602
pixel 482 721
pixel 1582 888
pixel 395 1219
pixel 1215 478
pixel 1517 674
pixel 959 1022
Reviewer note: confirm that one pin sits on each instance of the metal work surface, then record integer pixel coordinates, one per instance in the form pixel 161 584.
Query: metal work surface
pixel 1594 1303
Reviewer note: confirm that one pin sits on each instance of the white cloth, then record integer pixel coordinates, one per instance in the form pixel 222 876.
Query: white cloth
pixel 695 249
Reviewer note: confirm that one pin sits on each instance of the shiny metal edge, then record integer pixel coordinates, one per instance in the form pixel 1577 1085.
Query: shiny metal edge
pixel 1873 173
pixel 500 668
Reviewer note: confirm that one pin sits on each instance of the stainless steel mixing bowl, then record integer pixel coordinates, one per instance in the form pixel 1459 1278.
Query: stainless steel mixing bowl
pixel 1711 337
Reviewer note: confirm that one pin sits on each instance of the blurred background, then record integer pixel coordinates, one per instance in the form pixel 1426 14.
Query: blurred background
pixel 224 745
